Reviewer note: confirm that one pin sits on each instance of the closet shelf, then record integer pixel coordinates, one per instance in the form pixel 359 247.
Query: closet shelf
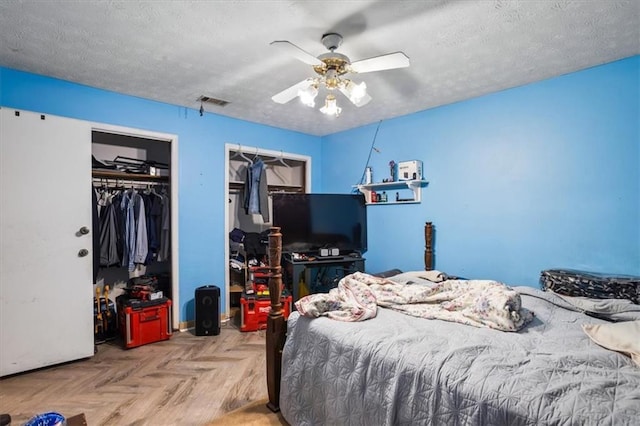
pixel 110 174
pixel 236 185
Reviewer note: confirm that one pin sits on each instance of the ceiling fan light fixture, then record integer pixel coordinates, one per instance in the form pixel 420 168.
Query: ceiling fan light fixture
pixel 308 95
pixel 331 106
pixel 331 68
pixel 356 92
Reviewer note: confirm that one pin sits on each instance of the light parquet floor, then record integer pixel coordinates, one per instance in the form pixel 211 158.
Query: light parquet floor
pixel 187 380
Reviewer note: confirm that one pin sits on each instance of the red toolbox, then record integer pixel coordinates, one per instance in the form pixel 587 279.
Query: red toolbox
pixel 258 282
pixel 143 322
pixel 254 312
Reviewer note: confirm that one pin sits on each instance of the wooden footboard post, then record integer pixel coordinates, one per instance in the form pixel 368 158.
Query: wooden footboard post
pixel 276 325
pixel 428 246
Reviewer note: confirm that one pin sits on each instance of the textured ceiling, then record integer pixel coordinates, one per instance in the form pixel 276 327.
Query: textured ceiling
pixel 176 51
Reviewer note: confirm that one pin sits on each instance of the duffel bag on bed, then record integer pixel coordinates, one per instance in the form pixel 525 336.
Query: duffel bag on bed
pixel 570 282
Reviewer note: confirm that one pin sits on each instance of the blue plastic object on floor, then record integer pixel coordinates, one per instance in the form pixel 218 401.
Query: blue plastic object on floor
pixel 47 419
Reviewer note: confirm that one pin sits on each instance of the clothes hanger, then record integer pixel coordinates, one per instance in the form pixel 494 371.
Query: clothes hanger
pixel 240 154
pixel 256 157
pixel 99 186
pixel 279 159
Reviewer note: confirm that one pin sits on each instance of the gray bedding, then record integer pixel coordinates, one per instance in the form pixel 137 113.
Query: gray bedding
pixel 400 370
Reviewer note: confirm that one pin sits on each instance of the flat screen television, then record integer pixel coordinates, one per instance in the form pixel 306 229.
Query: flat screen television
pixel 310 222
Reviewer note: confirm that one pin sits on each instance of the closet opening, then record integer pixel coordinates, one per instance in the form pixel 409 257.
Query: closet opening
pixel 246 227
pixel 134 215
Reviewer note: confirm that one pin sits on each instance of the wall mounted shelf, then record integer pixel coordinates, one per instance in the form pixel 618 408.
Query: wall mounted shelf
pixel 414 185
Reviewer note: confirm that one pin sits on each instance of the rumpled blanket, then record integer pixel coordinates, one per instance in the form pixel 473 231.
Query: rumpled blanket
pixel 479 303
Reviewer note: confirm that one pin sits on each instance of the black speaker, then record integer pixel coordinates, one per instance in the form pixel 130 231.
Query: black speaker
pixel 207 310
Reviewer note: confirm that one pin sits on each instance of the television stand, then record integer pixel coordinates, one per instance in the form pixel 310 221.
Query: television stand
pixel 329 258
pixel 308 270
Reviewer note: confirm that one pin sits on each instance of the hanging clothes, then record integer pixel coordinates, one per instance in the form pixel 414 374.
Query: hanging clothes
pixel 165 234
pixel 263 195
pixel 153 204
pixel 136 243
pixel 256 192
pixel 116 200
pixel 127 209
pixel 142 242
pixel 132 227
pixel 108 235
pixel 95 231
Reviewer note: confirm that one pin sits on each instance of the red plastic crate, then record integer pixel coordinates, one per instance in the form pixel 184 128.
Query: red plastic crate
pixel 142 323
pixel 259 279
pixel 254 312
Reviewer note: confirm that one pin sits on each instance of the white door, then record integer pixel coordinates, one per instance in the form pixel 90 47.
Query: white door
pixel 46 307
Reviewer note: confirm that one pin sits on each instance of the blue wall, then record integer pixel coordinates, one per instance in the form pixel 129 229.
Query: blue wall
pixel 540 176
pixel 545 175
pixel 201 159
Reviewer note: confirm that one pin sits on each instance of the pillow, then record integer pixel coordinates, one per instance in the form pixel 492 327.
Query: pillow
pixel 389 273
pixel 615 310
pixel 620 336
pixel 420 277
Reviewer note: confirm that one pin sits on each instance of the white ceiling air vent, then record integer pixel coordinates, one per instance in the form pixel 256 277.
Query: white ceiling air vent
pixel 214 101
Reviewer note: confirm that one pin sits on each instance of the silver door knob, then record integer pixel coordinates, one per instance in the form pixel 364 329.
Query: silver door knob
pixel 84 230
pixel 83 253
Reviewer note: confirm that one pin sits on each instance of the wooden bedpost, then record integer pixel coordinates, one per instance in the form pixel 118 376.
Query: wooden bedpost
pixel 428 246
pixel 276 325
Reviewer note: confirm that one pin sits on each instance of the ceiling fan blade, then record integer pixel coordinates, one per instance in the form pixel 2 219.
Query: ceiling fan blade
pixel 362 101
pixel 296 52
pixel 289 93
pixel 380 63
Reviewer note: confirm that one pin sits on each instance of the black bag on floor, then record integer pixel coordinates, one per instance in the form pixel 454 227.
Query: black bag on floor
pixel 570 282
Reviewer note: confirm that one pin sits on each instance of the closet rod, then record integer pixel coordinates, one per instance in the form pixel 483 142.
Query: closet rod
pixel 126 182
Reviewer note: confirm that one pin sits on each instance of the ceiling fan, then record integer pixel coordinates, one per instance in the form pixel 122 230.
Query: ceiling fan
pixel 331 68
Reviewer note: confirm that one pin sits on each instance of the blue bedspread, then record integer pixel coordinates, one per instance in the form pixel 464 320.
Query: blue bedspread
pixel 396 369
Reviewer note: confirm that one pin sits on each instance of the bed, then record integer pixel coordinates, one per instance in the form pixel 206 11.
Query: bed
pixel 399 369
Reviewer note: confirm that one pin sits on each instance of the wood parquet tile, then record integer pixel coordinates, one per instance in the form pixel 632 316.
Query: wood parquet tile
pixel 187 380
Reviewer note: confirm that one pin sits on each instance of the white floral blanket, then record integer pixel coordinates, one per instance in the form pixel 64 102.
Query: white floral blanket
pixel 479 303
